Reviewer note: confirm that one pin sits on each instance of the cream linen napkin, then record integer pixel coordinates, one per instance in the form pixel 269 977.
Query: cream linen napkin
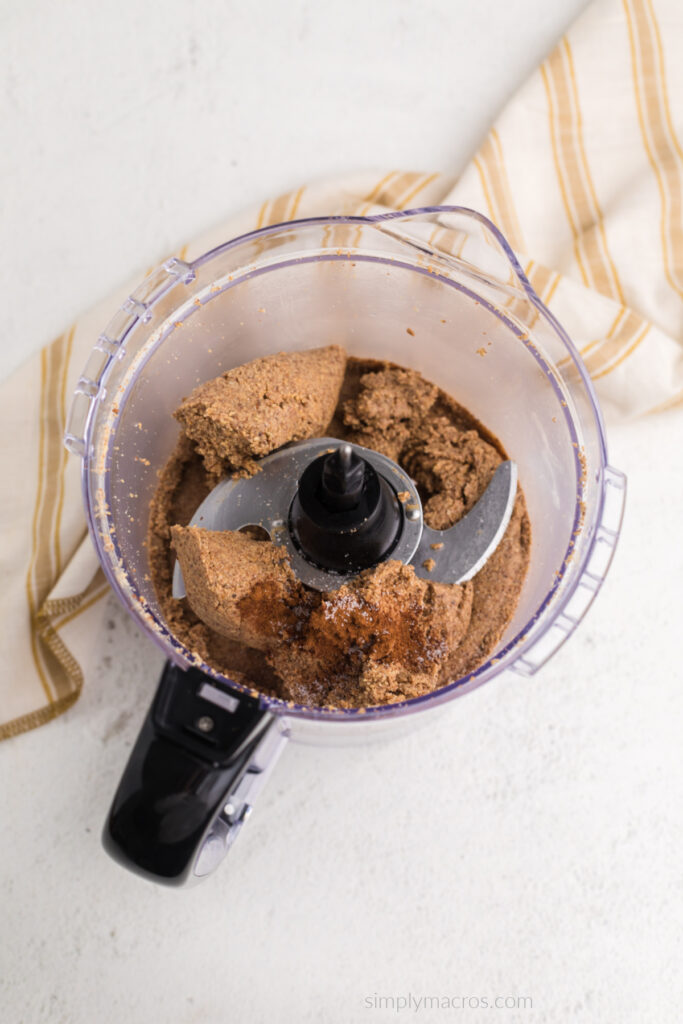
pixel 583 174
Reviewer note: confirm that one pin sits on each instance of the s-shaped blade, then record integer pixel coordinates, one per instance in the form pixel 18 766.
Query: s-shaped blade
pixel 457 554
pixel 265 500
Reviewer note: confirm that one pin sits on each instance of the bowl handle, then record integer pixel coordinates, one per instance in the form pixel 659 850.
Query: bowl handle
pixel 601 553
pixel 201 756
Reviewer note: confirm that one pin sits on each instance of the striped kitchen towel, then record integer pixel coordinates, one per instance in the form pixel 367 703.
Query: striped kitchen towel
pixel 583 172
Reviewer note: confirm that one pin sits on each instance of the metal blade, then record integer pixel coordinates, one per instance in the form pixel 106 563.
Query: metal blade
pixel 265 500
pixel 460 552
pixel 260 500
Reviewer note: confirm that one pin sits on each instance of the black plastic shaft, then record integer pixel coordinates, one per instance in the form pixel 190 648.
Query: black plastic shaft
pixel 345 516
pixel 343 477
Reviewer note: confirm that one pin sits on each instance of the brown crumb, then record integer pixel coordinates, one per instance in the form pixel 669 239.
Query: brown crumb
pixel 242 588
pixel 254 409
pixel 385 630
pixel 428 564
pixel 387 409
pixel 452 469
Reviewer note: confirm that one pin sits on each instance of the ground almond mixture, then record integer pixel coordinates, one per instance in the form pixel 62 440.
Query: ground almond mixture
pixel 386 635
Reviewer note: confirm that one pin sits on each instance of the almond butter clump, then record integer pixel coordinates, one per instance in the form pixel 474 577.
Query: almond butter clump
pixel 253 409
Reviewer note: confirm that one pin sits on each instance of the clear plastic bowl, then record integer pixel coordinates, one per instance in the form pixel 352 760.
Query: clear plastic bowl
pixel 435 289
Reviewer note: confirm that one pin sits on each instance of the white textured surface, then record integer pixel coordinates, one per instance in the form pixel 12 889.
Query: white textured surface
pixel 529 841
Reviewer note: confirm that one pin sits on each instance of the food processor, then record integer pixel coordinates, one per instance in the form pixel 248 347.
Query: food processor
pixel 437 290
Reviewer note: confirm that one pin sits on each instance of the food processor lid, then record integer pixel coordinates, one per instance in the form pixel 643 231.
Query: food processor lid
pixel 340 508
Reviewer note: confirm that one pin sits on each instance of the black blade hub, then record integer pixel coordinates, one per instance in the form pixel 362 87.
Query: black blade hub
pixel 345 516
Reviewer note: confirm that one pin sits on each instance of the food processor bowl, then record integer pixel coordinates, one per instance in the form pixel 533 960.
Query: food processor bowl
pixel 435 289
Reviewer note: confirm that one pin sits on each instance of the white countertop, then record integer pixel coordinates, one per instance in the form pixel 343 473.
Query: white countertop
pixel 528 842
